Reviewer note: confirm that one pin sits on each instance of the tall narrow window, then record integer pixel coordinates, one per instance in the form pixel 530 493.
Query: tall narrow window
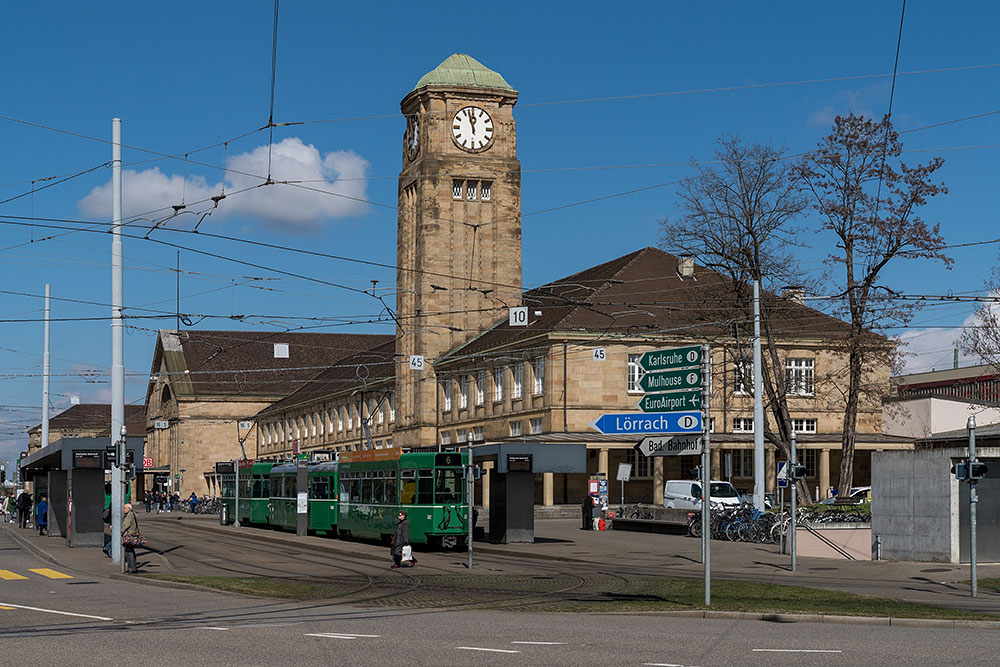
pixel 515 391
pixel 350 417
pixel 392 407
pixel 456 189
pixel 498 384
pixel 536 425
pixel 341 418
pixel 515 429
pixel 743 377
pixel 460 435
pixel 485 190
pixel 480 387
pixel 477 433
pixel 445 437
pixel 446 387
pixel 470 190
pixel 381 411
pixel 539 371
pixel 463 392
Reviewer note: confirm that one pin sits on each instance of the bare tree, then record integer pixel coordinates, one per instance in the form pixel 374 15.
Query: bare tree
pixel 870 208
pixel 737 217
pixel 982 338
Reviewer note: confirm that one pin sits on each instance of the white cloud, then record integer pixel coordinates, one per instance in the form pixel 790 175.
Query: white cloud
pixel 333 185
pixel 934 349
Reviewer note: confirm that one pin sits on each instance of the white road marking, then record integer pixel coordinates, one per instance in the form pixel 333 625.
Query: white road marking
pixel 541 643
pixel 490 650
pixel 338 635
pixel 211 627
pixel 53 611
pixel 796 650
pixel 663 664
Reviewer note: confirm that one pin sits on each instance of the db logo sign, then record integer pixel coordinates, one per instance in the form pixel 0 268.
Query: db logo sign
pixel 147 462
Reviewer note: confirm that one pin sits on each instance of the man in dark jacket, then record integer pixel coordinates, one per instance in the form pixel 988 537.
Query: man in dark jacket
pixel 401 539
pixel 23 509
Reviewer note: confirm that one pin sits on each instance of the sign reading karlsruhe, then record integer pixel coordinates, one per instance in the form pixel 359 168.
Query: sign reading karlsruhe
pixel 669 445
pixel 672 402
pixel 663 422
pixel 678 357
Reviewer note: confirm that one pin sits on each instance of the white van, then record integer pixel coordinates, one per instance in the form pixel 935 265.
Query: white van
pixel 685 494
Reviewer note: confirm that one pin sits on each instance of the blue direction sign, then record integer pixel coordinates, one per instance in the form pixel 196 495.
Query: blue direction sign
pixel 655 422
pixel 678 357
pixel 678 400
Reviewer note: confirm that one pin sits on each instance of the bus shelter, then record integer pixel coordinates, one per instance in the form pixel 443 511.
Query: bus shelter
pixel 512 482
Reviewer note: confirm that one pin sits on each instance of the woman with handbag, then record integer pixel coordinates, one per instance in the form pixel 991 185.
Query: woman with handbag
pixel 401 550
pixel 131 537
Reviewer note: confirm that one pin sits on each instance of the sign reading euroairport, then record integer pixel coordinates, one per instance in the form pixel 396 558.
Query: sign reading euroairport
pixel 676 401
pixel 663 422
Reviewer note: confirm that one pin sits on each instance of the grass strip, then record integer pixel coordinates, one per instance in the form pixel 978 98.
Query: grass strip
pixel 639 595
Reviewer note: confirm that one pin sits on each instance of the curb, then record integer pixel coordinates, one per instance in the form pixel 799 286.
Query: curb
pixel 890 621
pixel 38 551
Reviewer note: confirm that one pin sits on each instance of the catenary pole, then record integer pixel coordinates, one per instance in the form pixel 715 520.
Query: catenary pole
pixel 758 407
pixel 706 473
pixel 793 483
pixel 973 501
pixel 117 340
pixel 45 374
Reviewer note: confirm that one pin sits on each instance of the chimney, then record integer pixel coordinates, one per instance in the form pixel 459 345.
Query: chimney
pixel 685 267
pixel 794 293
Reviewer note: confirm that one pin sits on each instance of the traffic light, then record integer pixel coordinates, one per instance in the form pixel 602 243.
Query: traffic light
pixel 3 476
pixel 977 470
pixel 960 470
pixel 695 472
pixel 796 472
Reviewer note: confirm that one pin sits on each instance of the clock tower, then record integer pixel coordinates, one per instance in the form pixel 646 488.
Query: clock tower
pixel 459 227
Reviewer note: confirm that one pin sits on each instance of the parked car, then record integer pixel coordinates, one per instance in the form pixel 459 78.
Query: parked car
pixel 685 494
pixel 857 495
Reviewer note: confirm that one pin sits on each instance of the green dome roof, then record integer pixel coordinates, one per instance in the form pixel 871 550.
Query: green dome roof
pixel 463 71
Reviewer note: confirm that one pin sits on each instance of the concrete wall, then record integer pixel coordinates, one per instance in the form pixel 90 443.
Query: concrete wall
pixel 914 507
pixel 915 503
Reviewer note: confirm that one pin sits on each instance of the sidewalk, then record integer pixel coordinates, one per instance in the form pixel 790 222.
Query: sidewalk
pixel 562 541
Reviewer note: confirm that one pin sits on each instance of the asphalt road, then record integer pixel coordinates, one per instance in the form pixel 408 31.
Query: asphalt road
pixel 52 615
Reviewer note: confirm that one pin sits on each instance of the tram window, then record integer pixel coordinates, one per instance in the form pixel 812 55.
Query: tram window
pixel 345 489
pixel 408 486
pixel 366 490
pixel 228 487
pixel 447 486
pixel 265 488
pixel 425 487
pixel 257 486
pixel 378 491
pixel 245 487
pixel 319 489
pixel 390 490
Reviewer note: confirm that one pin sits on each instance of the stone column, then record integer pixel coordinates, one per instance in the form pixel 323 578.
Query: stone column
pixel 547 489
pixel 488 467
pixel 770 470
pixel 602 460
pixel 716 472
pixel 657 480
pixel 824 473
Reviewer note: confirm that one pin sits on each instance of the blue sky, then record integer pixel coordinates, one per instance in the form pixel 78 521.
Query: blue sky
pixel 184 76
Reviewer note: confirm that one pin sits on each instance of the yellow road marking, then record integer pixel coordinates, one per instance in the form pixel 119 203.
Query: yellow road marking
pixel 51 574
pixel 6 608
pixel 10 576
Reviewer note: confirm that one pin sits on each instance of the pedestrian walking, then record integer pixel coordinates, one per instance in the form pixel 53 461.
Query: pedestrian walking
pixel 4 507
pixel 42 514
pixel 193 501
pixel 23 509
pixel 401 543
pixel 130 529
pixel 147 499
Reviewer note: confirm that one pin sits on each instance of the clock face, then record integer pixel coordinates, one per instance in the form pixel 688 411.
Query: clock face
pixel 472 129
pixel 411 139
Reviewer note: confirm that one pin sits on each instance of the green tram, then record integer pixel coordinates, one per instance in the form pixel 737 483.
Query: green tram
pixel 361 495
pixel 376 484
pixel 255 493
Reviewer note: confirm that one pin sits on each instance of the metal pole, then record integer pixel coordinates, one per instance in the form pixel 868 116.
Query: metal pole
pixel 973 499
pixel 758 406
pixel 794 492
pixel 236 502
pixel 781 518
pixel 470 490
pixel 45 374
pixel 117 351
pixel 706 473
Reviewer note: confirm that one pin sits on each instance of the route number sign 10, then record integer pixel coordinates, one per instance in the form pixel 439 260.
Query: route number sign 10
pixel 518 317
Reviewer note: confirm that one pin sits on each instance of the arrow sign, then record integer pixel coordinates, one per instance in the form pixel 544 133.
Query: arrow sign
pixel 676 445
pixel 659 422
pixel 678 357
pixel 678 400
pixel 689 379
